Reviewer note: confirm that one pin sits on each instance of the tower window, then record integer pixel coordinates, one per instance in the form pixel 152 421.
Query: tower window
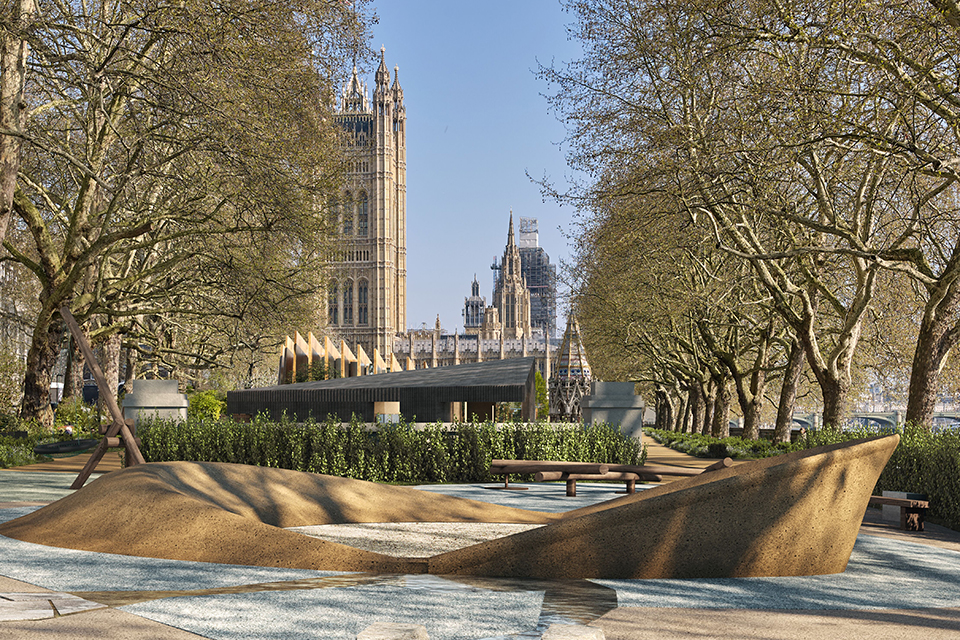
pixel 362 216
pixel 362 303
pixel 348 303
pixel 332 304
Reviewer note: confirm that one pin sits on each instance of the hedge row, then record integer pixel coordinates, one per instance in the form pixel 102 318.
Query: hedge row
pixel 923 462
pixel 702 446
pixel 393 453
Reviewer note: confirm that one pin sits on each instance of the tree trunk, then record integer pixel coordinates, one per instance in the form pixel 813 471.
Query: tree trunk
pixel 751 419
pixel 111 367
pixel 721 411
pixel 709 407
pixel 749 401
pixel 835 397
pixel 130 369
pixel 664 421
pixel 697 407
pixel 41 359
pixel 834 387
pixel 685 414
pixel 788 393
pixel 939 332
pixel 13 73
pixel 73 377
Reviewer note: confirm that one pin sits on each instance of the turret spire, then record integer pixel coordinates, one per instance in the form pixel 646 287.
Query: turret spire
pixel 510 231
pixel 383 75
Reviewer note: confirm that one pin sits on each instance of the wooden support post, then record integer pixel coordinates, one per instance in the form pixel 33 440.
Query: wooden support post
pixel 118 426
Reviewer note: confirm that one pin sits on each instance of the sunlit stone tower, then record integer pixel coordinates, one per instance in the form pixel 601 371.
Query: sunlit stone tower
pixel 367 299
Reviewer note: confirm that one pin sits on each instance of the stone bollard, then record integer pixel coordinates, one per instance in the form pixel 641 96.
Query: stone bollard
pixel 573 632
pixel 394 631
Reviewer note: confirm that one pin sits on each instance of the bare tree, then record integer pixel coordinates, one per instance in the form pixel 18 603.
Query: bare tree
pixel 772 132
pixel 170 150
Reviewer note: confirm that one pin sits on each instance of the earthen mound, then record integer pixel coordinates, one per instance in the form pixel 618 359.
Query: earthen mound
pixel 236 514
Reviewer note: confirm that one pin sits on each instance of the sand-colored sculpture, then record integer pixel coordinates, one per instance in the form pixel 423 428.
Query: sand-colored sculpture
pixel 791 515
pixel 236 514
pixel 796 514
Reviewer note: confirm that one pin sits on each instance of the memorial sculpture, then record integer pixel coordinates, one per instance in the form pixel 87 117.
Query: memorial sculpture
pixel 795 514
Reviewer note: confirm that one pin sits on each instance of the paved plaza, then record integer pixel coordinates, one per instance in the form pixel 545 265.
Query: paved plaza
pixel 897 585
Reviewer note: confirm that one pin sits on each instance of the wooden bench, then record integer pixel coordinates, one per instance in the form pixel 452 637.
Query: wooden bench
pixel 911 511
pixel 506 467
pixel 571 472
pixel 571 479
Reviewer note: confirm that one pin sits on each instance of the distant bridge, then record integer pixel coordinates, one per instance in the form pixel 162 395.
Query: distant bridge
pixel 884 419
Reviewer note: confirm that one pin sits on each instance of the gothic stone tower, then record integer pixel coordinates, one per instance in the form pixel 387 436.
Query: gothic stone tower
pixel 367 300
pixel 511 296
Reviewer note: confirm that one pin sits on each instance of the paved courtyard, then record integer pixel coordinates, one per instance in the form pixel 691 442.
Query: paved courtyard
pixel 897 585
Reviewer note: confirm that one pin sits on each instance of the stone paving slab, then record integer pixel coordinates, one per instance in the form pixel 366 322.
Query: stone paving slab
pixel 340 614
pixel 889 591
pixel 631 623
pixel 30 486
pixel 881 574
pixel 36 606
pixel 99 624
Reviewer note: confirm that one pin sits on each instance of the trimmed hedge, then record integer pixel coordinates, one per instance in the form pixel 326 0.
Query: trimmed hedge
pixel 702 446
pixel 923 462
pixel 393 453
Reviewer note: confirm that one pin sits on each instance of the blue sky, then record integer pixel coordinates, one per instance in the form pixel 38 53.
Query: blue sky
pixel 476 124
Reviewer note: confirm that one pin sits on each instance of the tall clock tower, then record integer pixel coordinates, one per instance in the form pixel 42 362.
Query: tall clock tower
pixel 367 298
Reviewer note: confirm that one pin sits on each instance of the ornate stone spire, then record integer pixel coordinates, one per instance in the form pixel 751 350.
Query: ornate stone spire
pixel 571 361
pixel 383 75
pixel 354 98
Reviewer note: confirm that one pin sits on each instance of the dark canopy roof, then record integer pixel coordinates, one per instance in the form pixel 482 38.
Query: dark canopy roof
pixel 422 393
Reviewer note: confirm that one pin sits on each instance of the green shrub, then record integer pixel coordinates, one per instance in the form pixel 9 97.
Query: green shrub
pixel 18 451
pixel 73 411
pixel 397 453
pixel 205 405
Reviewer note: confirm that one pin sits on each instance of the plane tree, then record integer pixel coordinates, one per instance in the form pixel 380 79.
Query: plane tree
pixel 171 149
pixel 910 51
pixel 748 132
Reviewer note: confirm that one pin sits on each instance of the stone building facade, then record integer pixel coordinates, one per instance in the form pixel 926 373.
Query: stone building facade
pixel 367 296
pixel 511 296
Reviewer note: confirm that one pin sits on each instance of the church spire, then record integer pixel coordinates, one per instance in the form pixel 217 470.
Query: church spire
pixel 510 231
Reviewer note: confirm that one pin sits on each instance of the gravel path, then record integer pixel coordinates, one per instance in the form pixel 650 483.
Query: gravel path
pixel 412 539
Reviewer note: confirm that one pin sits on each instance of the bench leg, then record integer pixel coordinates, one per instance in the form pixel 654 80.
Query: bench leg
pixel 911 519
pixel 631 486
pixel 571 488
